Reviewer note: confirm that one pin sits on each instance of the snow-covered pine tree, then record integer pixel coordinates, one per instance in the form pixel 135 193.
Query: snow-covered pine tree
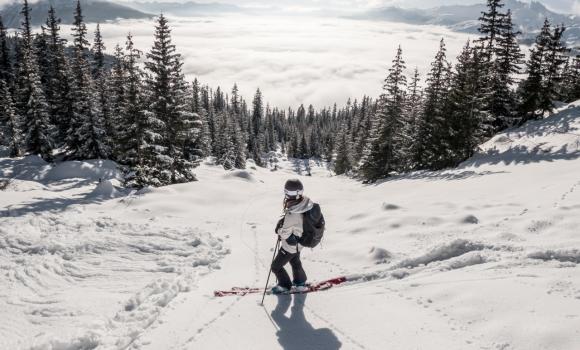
pixel 6 73
pixel 492 24
pixel 531 88
pixel 343 163
pixel 131 122
pixel 466 107
pixel 313 142
pixel 239 137
pixel 209 117
pixel 303 151
pixel 554 61
pixel 225 149
pixel 40 42
pixel 86 137
pixel 269 130
pixel 384 156
pixel 101 78
pixel 363 134
pixel 501 99
pixel 203 141
pixel 432 132
pixel 10 133
pixel 195 97
pixel 116 99
pixel 413 116
pixel 570 87
pixel 293 147
pixel 170 116
pixel 231 149
pixel 58 84
pixel 255 130
pixel 205 135
pixel 31 102
pixel 239 146
pixel 98 53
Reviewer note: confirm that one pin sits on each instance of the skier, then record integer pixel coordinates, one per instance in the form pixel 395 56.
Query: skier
pixel 289 229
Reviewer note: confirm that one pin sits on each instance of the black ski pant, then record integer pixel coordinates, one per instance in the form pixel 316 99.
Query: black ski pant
pixel 282 258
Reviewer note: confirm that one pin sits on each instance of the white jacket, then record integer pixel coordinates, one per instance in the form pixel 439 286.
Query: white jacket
pixel 293 224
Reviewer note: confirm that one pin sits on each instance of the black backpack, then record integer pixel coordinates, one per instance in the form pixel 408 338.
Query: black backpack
pixel 312 227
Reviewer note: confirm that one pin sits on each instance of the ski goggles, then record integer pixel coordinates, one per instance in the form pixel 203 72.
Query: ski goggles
pixel 293 194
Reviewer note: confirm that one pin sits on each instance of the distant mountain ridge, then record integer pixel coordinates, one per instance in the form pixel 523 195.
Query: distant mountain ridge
pixel 93 11
pixel 189 8
pixel 527 17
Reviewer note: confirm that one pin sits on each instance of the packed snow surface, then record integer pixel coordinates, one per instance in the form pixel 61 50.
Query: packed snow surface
pixel 485 256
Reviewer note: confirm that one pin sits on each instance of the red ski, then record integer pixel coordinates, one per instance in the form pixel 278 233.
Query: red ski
pixel 316 287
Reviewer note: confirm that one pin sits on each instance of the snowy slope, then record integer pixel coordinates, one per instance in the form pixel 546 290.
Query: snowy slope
pixel 480 257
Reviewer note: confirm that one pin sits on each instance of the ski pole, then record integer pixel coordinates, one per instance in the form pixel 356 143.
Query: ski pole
pixel 270 270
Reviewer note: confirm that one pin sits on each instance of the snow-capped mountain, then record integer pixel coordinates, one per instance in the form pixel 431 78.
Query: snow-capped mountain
pixel 528 17
pixel 189 8
pixel 93 11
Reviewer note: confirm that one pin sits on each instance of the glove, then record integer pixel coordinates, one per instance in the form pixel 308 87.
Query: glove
pixel 279 225
pixel 292 240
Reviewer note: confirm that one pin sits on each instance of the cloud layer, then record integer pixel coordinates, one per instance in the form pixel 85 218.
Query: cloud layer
pixel 292 60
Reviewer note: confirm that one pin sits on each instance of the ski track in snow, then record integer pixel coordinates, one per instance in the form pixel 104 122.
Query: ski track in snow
pixel 338 330
pixel 257 263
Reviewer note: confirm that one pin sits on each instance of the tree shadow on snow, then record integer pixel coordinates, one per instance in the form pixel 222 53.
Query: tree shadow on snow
pixel 55 205
pixel 521 154
pixel 447 175
pixel 295 332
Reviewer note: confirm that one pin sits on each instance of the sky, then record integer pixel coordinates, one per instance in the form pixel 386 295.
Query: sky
pixel 565 6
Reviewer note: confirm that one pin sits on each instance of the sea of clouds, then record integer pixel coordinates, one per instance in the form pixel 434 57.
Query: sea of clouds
pixel 294 59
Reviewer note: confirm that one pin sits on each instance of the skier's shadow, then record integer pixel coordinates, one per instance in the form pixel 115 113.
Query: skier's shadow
pixel 295 333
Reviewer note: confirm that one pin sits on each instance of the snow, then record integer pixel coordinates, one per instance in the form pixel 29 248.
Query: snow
pixel 485 256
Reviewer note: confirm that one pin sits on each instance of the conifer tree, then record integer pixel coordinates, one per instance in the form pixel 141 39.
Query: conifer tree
pixel 413 116
pixel 98 51
pixel 225 149
pixel 501 100
pixel 255 142
pixel 116 91
pixel 86 137
pixel 313 142
pixel 169 115
pixel 5 60
pixel 239 147
pixel 40 43
pixel 100 77
pixel 343 163
pixel 10 133
pixel 531 89
pixel 466 107
pixel 203 140
pixel 432 131
pixel 132 122
pixel 383 157
pixel 554 61
pixel 303 152
pixel 32 104
pixel 492 23
pixel 58 85
pixel 570 87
